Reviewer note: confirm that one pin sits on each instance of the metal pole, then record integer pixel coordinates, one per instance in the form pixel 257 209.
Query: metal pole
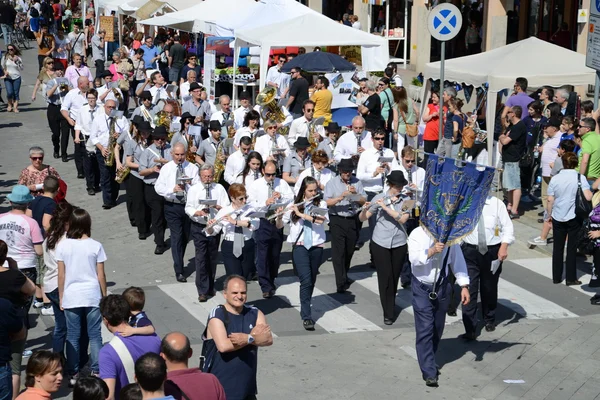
pixel 597 89
pixel 441 103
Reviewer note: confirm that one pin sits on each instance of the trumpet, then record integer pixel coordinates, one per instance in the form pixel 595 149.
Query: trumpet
pixel 117 95
pixel 289 207
pixel 237 213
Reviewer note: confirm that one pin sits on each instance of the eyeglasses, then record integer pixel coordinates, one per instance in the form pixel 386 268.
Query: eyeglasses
pixel 242 198
pixel 379 139
pixel 583 126
pixel 268 175
pixel 309 110
pixel 37 158
pixel 409 161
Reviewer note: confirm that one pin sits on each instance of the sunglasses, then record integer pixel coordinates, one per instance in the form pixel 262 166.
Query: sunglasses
pixel 310 110
pixel 10 49
pixel 50 63
pixel 266 174
pixel 242 198
pixel 379 139
pixel 272 127
pixel 409 161
pixel 37 158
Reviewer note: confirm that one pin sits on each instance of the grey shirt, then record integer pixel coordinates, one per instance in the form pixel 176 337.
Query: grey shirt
pixel 138 111
pixel 334 188
pixel 122 140
pixel 147 160
pixel 133 148
pixel 327 146
pixel 97 48
pixel 388 233
pixel 56 98
pixel 295 165
pixel 208 150
pixel 203 110
pixel 179 137
pixel 558 165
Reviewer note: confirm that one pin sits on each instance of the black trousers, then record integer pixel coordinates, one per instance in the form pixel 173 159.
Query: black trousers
pixel 562 230
pixel 179 227
pixel 207 254
pixel 91 170
pixel 269 241
pixel 80 153
pixel 99 67
pixel 344 233
pixel 242 265
pixel 41 61
pixel 482 282
pixel 129 199
pixel 110 188
pixel 388 263
pixel 66 130
pixel 57 125
pixel 157 214
pixel 141 211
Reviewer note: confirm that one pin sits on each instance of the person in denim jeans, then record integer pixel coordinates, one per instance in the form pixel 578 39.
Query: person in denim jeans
pixel 307 236
pixel 81 286
pixel 12 66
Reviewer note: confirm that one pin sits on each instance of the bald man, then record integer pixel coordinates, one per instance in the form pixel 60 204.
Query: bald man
pixel 173 182
pixel 100 137
pixel 176 350
pixel 71 104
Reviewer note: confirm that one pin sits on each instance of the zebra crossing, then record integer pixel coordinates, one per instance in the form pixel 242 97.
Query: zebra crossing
pixel 360 310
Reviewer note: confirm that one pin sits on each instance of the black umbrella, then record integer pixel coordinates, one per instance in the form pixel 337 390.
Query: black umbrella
pixel 319 61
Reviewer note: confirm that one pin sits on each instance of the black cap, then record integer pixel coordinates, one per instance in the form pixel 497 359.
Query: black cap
pixel 137 120
pixel 214 125
pixel 186 115
pixel 302 143
pixel 195 86
pixel 333 127
pixel 159 132
pixel 396 178
pixel 144 126
pixel 345 165
pixel 106 73
pixel 554 121
pixel 245 96
pixel 146 95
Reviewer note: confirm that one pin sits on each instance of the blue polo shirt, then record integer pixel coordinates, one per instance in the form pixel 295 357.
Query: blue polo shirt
pixel 149 54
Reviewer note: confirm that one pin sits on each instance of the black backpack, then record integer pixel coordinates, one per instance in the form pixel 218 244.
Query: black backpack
pixel 34 13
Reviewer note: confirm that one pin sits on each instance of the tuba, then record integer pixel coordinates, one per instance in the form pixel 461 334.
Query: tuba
pixel 269 109
pixel 162 119
pixel 109 160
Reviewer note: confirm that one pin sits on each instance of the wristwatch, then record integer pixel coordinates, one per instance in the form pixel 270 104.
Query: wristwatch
pixel 250 339
pixel 465 287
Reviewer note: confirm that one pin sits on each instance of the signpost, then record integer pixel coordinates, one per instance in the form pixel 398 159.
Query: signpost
pixel 444 23
pixel 592 59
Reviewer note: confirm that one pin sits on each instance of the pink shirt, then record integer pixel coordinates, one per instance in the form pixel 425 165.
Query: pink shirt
pixel 20 233
pixel 73 73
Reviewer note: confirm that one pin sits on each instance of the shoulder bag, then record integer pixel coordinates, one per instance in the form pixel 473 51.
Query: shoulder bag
pixel 125 356
pixel 412 130
pixel 468 135
pixel 583 207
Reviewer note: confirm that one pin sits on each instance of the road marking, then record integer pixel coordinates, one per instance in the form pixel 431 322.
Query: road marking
pixel 410 351
pixel 327 312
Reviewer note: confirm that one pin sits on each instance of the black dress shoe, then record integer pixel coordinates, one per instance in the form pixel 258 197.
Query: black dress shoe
pixel 388 321
pixel 349 281
pixel 142 236
pixel 91 192
pixel 573 283
pixel 160 249
pixel 267 295
pixel 107 206
pixel 595 300
pixel 132 223
pixel 451 312
pixel 56 154
pixel 469 336
pixel 202 298
pixel 405 285
pixel 490 327
pixel 65 158
pixel 432 382
pixel 80 176
pixel 180 278
pixel 541 213
pixel 212 293
pixel 308 324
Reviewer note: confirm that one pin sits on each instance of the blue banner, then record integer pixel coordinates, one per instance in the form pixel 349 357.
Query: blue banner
pixel 453 197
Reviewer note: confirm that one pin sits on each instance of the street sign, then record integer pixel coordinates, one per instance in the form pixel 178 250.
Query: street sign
pixel 592 59
pixel 444 22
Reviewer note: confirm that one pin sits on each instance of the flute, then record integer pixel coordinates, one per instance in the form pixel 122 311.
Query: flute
pixel 276 215
pixel 219 220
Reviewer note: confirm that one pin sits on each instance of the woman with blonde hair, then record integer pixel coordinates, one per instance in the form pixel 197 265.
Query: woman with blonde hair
pixel 46 74
pixel 406 113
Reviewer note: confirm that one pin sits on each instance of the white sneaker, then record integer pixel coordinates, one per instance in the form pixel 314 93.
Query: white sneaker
pixel 538 241
pixel 38 304
pixel 48 311
pixel 73 380
pixel 27 353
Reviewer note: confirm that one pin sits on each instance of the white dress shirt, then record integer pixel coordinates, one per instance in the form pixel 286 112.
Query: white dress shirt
pixel 367 164
pixel 276 76
pixel 101 126
pixel 184 91
pixel 494 216
pixel 245 132
pixel 235 164
pixel 239 115
pixel 258 193
pixel 249 178
pixel 264 145
pixel 299 128
pixel 73 102
pixel 346 144
pixel 424 269
pixel 228 229
pixel 84 120
pixel 325 177
pixel 416 176
pixel 110 96
pixel 220 116
pixel 318 230
pixel 288 117
pixel 158 93
pixel 198 192
pixel 167 179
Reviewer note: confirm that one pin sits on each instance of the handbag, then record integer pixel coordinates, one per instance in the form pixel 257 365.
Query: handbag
pixel 583 207
pixel 412 130
pixel 468 137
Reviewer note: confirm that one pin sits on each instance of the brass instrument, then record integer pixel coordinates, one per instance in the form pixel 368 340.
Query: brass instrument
pixel 122 174
pixel 109 160
pixel 162 119
pixel 117 95
pixel 63 87
pixel 269 109
pixel 147 116
pixel 219 166
pixel 312 129
pixel 190 155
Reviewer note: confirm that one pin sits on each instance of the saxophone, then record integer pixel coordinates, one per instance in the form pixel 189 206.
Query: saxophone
pixel 109 160
pixel 122 174
pixel 219 166
pixel 312 129
pixel 190 156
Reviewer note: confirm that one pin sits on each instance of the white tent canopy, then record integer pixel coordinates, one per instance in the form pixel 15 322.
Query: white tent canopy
pixel 542 63
pixel 144 8
pixel 312 30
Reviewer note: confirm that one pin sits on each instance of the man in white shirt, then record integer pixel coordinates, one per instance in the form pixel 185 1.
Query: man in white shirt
pixel 431 289
pixel 237 161
pixel 483 249
pixel 265 192
pixel 76 70
pixel 173 183
pixel 268 145
pixel 156 85
pixel 300 126
pixel 242 110
pixel 225 114
pixel 276 78
pixel 69 109
pixel 184 88
pixel 100 137
pixel 354 142
pixel 207 247
pixel 83 129
pixel 145 110
pixel 414 175
pixel 105 92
